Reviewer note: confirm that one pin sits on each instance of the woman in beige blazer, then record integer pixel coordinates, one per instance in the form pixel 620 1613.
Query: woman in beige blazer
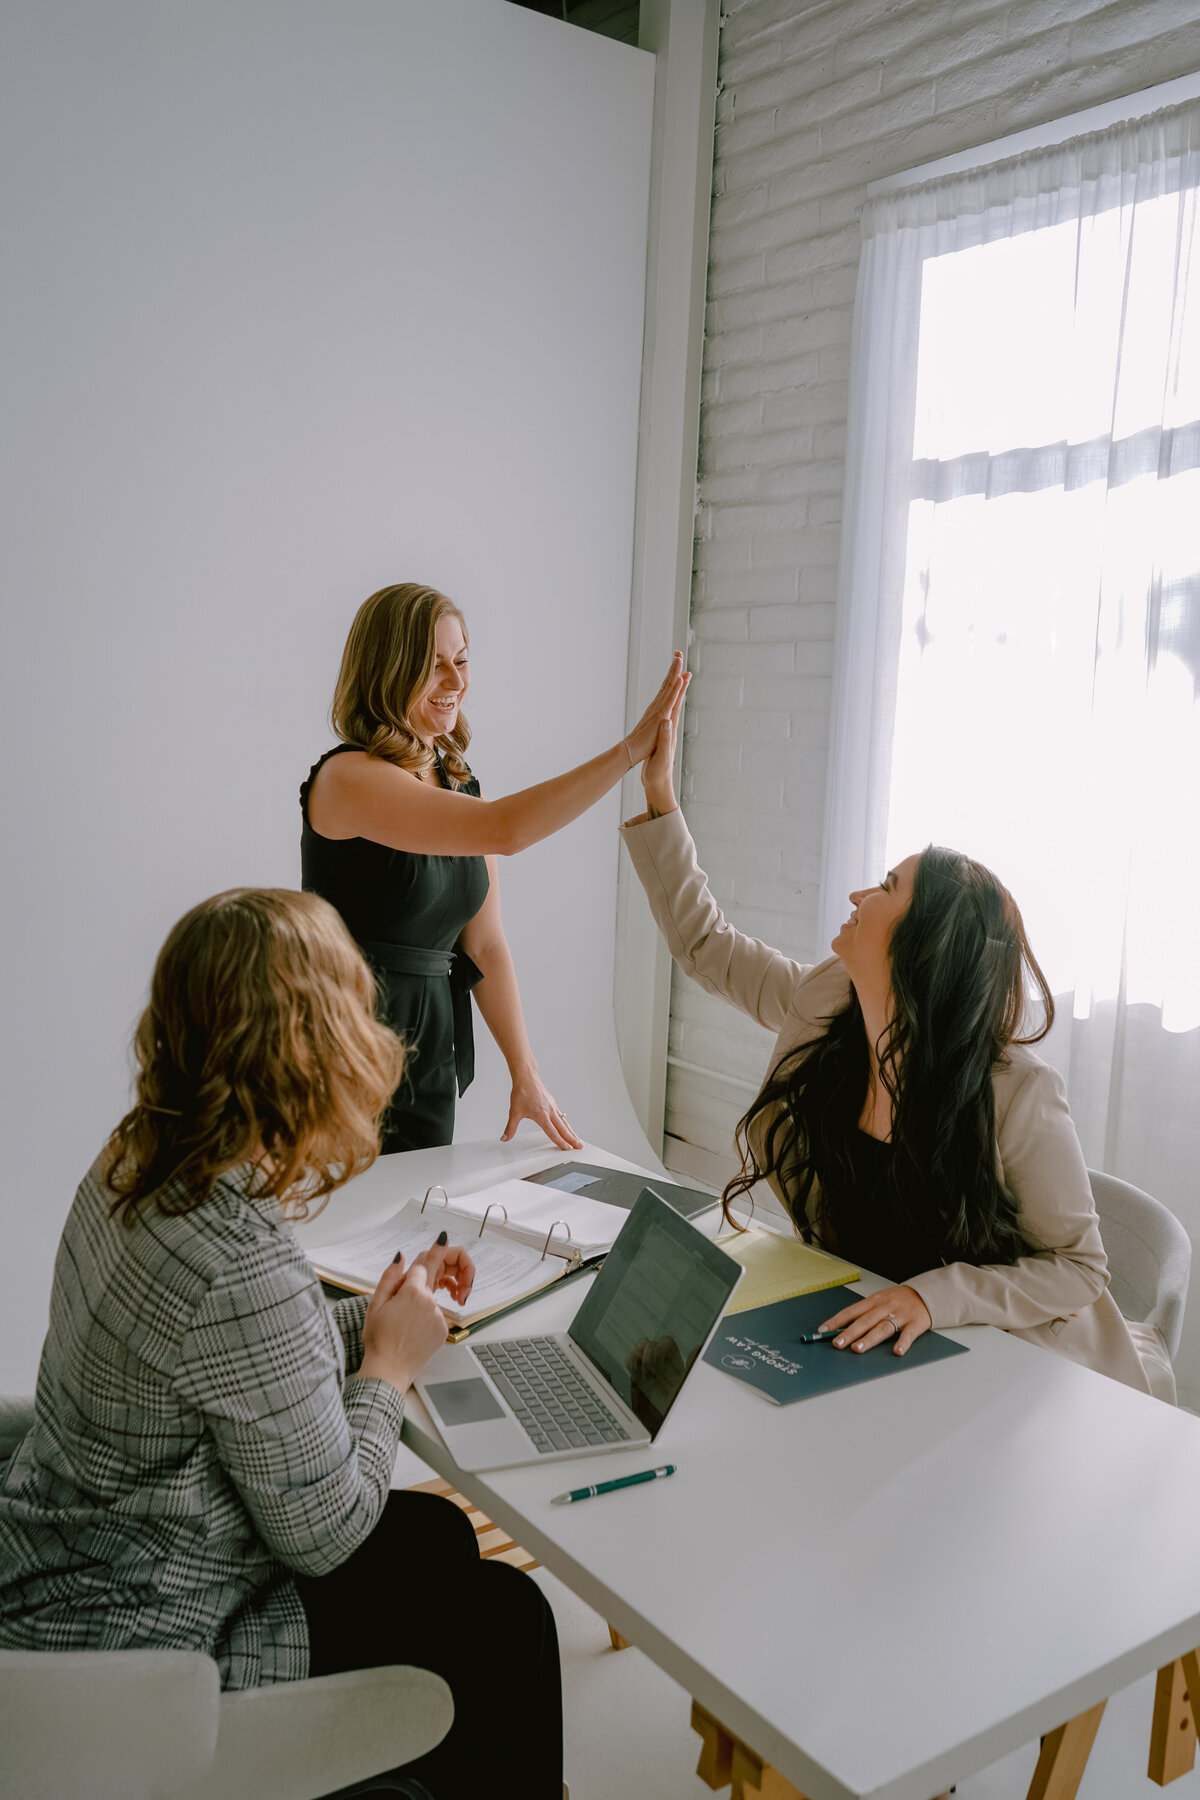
pixel 903 1120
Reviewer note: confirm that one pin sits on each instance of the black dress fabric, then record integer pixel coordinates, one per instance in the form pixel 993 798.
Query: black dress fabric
pixel 870 1225
pixel 416 1591
pixel 405 912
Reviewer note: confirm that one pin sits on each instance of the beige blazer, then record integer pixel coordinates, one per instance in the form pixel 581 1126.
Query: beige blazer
pixel 1058 1298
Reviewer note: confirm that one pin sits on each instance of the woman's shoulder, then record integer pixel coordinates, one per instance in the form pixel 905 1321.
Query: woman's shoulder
pixel 227 1237
pixel 821 990
pixel 1029 1091
pixel 327 756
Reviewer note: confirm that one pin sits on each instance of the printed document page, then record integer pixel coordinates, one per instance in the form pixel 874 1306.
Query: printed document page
pixel 532 1210
pixel 504 1270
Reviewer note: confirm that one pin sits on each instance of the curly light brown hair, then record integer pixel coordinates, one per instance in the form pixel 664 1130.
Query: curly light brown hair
pixel 260 1045
pixel 388 661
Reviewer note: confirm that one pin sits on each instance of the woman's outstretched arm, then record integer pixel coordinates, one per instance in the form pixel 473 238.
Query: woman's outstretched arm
pixel 499 1001
pixel 358 795
pixel 723 961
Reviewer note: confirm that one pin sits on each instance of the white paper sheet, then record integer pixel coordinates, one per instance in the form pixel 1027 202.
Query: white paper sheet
pixel 504 1270
pixel 532 1209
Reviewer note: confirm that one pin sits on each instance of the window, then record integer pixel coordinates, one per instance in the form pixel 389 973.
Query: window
pixel 1019 608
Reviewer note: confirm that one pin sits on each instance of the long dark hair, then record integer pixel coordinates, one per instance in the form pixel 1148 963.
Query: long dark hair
pixel 959 958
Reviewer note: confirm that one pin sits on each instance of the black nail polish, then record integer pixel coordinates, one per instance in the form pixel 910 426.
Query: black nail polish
pixel 443 1237
pixel 399 1256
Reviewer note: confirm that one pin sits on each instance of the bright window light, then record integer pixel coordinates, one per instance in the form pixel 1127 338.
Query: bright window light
pixel 1046 711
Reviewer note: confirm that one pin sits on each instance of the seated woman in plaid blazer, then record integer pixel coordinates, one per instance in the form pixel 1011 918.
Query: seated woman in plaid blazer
pixel 211 1460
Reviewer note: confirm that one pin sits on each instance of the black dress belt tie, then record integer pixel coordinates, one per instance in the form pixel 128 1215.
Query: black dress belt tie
pixel 407 959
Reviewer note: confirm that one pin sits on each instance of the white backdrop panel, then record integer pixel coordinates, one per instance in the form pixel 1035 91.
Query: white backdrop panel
pixel 300 299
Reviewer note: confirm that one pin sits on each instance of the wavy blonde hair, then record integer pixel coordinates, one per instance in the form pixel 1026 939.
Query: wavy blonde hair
pixel 260 1044
pixel 388 662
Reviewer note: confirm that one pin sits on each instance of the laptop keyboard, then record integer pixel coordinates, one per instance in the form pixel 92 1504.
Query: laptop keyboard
pixel 556 1406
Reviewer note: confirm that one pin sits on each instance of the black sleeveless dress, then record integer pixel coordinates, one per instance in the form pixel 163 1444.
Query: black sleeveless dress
pixel 405 912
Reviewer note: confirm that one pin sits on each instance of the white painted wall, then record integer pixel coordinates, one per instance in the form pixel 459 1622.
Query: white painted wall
pixel 819 98
pixel 299 299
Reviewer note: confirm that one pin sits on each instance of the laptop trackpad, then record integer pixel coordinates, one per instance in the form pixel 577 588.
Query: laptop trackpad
pixel 464 1402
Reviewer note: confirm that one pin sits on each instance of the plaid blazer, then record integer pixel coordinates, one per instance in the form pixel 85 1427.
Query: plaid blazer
pixel 194 1440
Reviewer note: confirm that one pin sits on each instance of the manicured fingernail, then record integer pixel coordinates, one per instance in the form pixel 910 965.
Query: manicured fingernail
pixel 399 1256
pixel 840 1342
pixel 443 1238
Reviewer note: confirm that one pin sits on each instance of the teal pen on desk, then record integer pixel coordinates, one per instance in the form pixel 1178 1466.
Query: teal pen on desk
pixel 818 1337
pixel 609 1487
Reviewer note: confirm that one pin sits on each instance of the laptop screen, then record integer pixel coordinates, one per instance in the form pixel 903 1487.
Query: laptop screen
pixel 653 1306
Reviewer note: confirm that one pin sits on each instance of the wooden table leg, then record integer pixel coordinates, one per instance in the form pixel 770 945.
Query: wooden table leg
pixel 1064 1757
pixel 753 1779
pixel 716 1748
pixel 1173 1731
pixel 725 1760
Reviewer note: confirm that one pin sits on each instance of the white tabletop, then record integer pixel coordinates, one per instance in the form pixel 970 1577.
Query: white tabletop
pixel 883 1589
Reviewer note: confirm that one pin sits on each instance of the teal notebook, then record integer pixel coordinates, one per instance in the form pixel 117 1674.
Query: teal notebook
pixel 761 1348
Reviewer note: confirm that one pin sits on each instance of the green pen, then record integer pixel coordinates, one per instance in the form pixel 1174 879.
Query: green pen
pixel 609 1487
pixel 818 1337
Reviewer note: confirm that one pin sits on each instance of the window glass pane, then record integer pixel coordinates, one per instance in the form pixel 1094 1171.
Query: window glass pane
pixel 1030 734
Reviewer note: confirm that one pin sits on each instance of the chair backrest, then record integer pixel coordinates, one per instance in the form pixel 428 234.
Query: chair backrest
pixel 1149 1255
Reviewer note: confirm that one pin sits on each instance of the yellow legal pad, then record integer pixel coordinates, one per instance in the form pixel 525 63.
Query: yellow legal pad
pixel 779 1267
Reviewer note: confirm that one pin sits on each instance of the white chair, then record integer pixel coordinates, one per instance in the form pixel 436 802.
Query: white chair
pixel 140 1724
pixel 1149 1256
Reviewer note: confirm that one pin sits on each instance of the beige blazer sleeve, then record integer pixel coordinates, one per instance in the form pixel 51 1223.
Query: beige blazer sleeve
pixel 750 975
pixel 1044 1170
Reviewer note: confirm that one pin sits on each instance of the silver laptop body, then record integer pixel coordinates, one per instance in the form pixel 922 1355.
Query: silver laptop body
pixel 608 1382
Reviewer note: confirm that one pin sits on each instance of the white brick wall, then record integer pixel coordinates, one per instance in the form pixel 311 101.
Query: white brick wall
pixel 817 99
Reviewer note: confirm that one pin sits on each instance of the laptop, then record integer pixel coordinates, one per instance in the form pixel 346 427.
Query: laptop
pixel 607 1382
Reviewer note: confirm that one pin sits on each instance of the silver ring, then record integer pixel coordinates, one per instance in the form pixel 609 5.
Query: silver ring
pixel 895 1327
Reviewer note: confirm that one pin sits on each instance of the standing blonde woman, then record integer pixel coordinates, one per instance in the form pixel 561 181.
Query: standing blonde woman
pixel 213 1445
pixel 396 836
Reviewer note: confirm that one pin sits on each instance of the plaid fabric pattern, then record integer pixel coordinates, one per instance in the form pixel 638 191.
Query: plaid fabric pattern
pixel 195 1440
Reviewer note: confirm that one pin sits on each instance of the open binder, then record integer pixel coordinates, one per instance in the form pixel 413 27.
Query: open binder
pixel 514 1261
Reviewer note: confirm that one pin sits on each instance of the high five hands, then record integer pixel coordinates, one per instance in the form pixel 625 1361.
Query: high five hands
pixel 643 741
pixel 658 777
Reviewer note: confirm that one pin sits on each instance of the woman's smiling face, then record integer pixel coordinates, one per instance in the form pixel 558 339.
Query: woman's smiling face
pixel 864 941
pixel 434 712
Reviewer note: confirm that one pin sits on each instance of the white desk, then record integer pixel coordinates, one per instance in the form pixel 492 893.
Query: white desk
pixel 884 1589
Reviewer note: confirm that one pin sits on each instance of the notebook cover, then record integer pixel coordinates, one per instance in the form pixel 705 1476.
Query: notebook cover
pixel 760 1348
pixel 620 1187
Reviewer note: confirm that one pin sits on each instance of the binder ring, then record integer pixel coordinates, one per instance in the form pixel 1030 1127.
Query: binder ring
pixel 491 1209
pixel 554 1227
pixel 436 1189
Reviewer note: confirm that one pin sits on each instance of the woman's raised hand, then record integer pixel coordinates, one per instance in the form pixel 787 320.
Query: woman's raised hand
pixel 641 741
pixel 404 1324
pixel 895 1314
pixel 658 770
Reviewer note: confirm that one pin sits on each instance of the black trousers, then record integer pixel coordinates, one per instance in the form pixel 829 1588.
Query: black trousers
pixel 417 1592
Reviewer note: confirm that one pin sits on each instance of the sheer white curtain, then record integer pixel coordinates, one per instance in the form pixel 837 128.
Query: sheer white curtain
pixel 1019 610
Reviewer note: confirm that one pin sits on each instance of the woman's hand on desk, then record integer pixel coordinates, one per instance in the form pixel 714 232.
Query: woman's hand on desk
pixel 404 1324
pixel 531 1100
pixel 898 1313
